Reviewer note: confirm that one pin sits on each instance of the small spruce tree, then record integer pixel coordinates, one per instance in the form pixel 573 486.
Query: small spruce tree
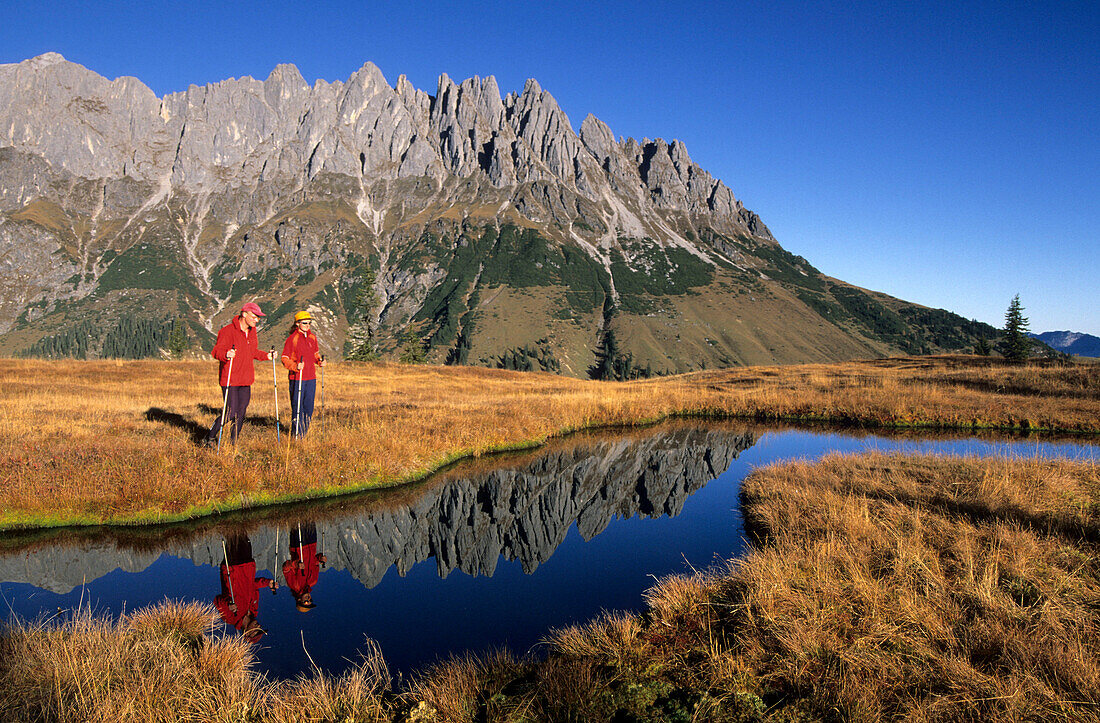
pixel 412 349
pixel 606 354
pixel 1015 343
pixel 361 342
pixel 177 339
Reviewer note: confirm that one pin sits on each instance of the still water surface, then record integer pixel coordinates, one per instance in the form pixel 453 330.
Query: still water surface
pixel 483 556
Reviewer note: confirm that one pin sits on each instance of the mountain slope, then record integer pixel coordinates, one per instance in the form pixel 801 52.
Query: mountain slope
pixel 481 227
pixel 1071 342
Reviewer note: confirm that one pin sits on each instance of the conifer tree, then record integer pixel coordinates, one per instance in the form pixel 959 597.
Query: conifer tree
pixel 177 339
pixel 362 344
pixel 412 349
pixel 606 354
pixel 1015 343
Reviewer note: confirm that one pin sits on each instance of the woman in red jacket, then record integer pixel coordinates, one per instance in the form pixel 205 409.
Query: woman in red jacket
pixel 304 566
pixel 302 356
pixel 237 341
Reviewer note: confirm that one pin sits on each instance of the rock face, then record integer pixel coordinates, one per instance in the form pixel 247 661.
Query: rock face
pixel 466 523
pixel 387 210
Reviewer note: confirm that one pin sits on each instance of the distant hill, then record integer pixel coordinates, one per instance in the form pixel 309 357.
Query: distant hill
pixel 482 228
pixel 1071 342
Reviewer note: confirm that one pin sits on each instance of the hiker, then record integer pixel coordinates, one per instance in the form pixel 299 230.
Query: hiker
pixel 304 566
pixel 302 356
pixel 236 348
pixel 239 602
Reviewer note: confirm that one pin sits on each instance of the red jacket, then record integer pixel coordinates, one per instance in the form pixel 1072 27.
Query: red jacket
pixel 245 591
pixel 303 580
pixel 304 348
pixel 247 346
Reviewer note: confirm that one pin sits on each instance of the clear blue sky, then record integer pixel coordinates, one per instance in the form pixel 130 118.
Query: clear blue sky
pixel 947 153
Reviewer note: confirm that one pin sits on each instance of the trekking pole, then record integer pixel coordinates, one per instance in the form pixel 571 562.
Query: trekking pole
pixel 289 436
pixel 275 386
pixel 275 560
pixel 321 416
pixel 298 413
pixel 225 402
pixel 232 597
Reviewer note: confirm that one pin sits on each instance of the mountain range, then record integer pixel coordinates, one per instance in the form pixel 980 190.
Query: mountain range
pixel 1071 342
pixel 461 227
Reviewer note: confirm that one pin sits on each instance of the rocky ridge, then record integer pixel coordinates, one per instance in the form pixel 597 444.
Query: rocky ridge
pixel 386 210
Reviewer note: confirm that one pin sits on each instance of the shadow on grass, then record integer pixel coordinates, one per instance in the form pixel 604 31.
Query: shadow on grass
pixel 1073 532
pixel 196 431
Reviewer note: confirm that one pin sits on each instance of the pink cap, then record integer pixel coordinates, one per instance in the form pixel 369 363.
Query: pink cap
pixel 254 308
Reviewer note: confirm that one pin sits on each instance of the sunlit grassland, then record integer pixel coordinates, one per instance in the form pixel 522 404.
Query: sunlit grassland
pixel 877 588
pixel 113 441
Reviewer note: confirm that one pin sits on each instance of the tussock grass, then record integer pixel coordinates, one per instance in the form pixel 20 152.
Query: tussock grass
pixel 151 665
pixel 924 589
pixel 115 442
pixel 362 694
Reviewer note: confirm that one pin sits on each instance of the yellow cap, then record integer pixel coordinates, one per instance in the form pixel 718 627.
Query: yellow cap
pixel 302 315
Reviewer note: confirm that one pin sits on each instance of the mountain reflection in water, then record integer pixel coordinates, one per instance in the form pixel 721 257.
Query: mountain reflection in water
pixel 516 511
pixel 466 522
pixel 540 541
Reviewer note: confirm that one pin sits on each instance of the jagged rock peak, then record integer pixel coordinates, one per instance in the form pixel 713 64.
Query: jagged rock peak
pixel 238 132
pixel 46 60
pixel 287 74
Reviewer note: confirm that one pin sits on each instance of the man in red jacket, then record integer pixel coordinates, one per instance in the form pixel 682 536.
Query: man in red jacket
pixel 237 343
pixel 239 601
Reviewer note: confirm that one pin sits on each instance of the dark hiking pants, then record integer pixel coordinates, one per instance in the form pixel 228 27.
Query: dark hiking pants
pixel 235 408
pixel 305 414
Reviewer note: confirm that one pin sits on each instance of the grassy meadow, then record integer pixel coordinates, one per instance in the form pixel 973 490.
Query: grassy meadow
pixel 878 588
pixel 91 442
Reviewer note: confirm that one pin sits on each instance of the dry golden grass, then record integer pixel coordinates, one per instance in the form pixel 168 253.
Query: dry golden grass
pixel 362 695
pixel 895 588
pixel 113 441
pixel 152 665
pixel 166 664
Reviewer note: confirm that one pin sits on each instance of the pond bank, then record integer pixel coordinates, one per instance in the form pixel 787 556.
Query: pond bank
pixel 115 442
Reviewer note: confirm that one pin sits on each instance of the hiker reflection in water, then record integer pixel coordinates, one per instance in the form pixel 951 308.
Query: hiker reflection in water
pixel 304 566
pixel 239 603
